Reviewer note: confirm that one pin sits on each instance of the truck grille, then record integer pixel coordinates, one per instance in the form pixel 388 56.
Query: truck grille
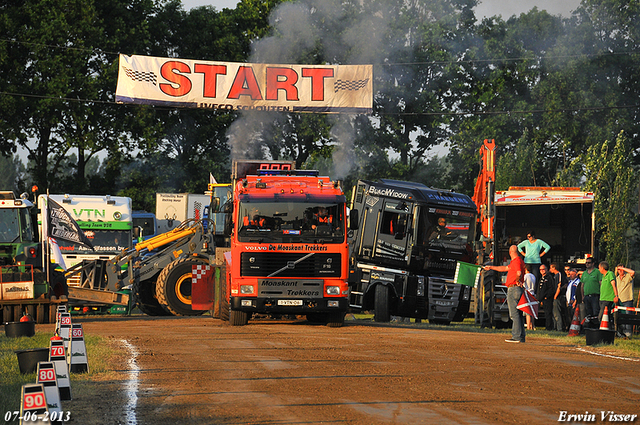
pixel 278 264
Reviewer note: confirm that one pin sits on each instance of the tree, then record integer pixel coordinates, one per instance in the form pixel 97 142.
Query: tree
pixel 62 78
pixel 614 181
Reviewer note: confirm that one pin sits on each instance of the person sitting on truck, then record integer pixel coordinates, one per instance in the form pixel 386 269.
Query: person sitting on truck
pixel 440 230
pixel 253 219
pixel 322 218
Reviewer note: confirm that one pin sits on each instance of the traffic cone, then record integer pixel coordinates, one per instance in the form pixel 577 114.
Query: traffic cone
pixel 47 377
pixel 604 324
pixel 33 407
pixel 574 329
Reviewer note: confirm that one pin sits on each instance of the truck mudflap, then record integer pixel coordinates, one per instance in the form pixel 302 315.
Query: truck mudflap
pixel 290 306
pixel 448 301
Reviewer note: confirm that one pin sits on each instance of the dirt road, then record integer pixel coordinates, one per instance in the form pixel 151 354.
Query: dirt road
pixel 203 371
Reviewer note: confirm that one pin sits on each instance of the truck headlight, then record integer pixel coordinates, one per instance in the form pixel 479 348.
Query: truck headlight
pixel 420 290
pixel 333 290
pixel 333 304
pixel 246 289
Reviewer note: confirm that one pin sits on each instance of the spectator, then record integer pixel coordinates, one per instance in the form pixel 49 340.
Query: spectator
pixel 624 282
pixel 515 277
pixel 532 250
pixel 530 285
pixel 545 294
pixel 574 298
pixel 608 292
pixel 590 279
pixel 559 298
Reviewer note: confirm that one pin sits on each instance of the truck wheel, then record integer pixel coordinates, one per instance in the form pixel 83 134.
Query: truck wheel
pixel 173 287
pixel 238 318
pixel 381 310
pixel 335 320
pixel 144 295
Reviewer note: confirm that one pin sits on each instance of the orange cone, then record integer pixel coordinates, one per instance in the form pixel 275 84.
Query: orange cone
pixel 604 324
pixel 574 330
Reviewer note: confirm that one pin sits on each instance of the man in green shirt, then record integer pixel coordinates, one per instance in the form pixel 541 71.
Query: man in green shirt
pixel 590 279
pixel 608 292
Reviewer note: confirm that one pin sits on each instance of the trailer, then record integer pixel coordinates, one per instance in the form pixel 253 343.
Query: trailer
pixel 563 217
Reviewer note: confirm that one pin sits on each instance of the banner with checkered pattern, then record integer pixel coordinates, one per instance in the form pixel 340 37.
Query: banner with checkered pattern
pixel 245 86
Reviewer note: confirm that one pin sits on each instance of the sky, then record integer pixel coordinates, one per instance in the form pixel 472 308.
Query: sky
pixel 506 8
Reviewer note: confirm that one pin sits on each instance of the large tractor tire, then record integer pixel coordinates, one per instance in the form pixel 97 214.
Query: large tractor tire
pixel 144 296
pixel 381 311
pixel 238 318
pixel 173 287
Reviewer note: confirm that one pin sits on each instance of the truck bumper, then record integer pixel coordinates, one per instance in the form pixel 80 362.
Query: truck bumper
pixel 270 305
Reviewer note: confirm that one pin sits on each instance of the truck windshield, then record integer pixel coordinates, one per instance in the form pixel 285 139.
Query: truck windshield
pixel 9 225
pixel 290 222
pixel 445 227
pixel 108 242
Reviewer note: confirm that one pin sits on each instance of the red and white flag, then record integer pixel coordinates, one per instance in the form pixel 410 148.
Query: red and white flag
pixel 528 304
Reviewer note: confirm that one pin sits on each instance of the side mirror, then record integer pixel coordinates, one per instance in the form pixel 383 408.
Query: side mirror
pixel 354 222
pixel 215 205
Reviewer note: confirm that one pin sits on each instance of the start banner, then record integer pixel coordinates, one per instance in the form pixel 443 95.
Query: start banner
pixel 245 86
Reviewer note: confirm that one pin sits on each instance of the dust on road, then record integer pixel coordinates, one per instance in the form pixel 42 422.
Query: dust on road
pixel 203 371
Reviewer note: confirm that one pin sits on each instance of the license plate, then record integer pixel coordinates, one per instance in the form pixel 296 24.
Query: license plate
pixel 289 302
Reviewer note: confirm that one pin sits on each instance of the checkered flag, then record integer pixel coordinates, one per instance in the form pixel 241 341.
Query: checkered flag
pixel 149 77
pixel 349 85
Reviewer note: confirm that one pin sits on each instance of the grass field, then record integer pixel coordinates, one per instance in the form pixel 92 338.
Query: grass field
pixel 99 352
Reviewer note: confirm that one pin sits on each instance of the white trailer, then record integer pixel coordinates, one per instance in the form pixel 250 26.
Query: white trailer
pixel 174 208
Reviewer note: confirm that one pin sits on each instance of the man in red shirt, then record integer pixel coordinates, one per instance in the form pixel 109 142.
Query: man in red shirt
pixel 515 280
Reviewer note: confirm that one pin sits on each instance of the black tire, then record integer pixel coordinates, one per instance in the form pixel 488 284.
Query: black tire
pixel 381 311
pixel 238 318
pixel 335 320
pixel 173 287
pixel 144 297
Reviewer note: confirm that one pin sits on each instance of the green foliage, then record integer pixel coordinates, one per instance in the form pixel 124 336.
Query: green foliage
pixel 612 178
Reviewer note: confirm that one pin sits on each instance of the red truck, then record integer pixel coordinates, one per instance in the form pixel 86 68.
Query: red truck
pixel 288 248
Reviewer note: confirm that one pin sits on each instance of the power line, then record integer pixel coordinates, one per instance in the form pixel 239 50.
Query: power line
pixel 458 113
pixel 384 64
